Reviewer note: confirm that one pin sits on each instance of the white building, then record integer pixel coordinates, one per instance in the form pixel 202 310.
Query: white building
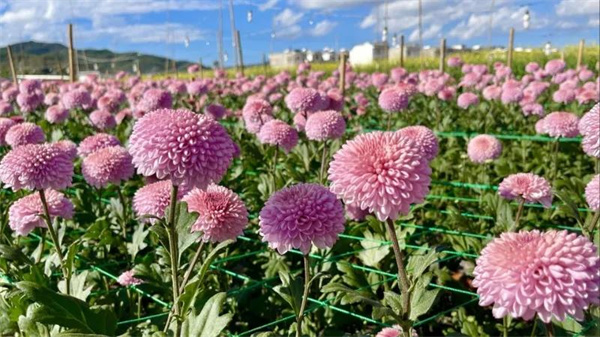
pixel 368 52
pixel 289 58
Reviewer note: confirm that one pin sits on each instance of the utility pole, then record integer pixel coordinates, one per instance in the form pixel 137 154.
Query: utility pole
pixel 220 35
pixel 234 35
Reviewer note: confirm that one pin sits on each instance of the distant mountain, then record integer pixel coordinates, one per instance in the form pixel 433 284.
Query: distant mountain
pixel 52 58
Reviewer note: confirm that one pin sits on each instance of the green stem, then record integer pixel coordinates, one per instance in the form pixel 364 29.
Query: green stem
pixel 518 217
pixel 38 258
pixel 275 160
pixel 555 161
pixel 535 322
pixel 505 326
pixel 172 234
pixel 594 223
pixel 323 162
pixel 304 296
pixel 56 242
pixel 402 276
pixel 124 220
pixel 190 269
pixel 389 121
pixel 550 329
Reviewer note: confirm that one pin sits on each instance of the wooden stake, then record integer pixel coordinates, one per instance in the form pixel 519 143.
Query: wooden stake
pixel 240 55
pixel 580 53
pixel 201 68
pixel 402 50
pixel 343 74
pixel 511 40
pixel 442 55
pixel 11 62
pixel 72 70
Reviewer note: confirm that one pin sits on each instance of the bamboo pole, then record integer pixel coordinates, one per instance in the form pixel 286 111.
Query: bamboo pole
pixel 240 55
pixel 401 50
pixel 580 53
pixel 72 69
pixel 11 63
pixel 442 55
pixel 511 41
pixel 343 74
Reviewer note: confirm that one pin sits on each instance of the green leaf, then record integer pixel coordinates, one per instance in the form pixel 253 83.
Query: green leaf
pixel 421 299
pixel 78 289
pixel 394 301
pixel 374 251
pixel 291 290
pixel 417 264
pixel 137 241
pixel 571 206
pixel 185 220
pixel 14 254
pixel 208 323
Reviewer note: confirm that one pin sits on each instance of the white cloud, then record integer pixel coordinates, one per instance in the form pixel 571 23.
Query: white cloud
pixel 431 32
pixel 267 5
pixel 323 28
pixel 578 7
pixel 286 24
pixel 594 22
pixel 331 4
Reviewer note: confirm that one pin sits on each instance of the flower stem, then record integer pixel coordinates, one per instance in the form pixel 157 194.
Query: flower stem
pixel 323 162
pixel 594 223
pixel 389 121
pixel 304 296
pixel 402 276
pixel 172 234
pixel 550 329
pixel 38 258
pixel 535 322
pixel 56 242
pixel 505 326
pixel 275 160
pixel 124 220
pixel 190 269
pixel 518 217
pixel 555 161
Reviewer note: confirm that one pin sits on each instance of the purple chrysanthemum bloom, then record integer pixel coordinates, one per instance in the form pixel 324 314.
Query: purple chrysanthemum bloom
pixel 324 125
pixel 98 141
pixel 384 172
pixel 215 111
pixel 424 138
pixel 592 193
pixel 77 99
pixel 5 108
pixel 526 187
pixel 128 278
pixel 554 67
pixel 153 199
pixel 560 124
pixel 552 274
pixel 222 215
pixel 467 99
pixel 26 213
pixel 28 102
pixel 181 146
pixel 393 99
pixel 278 133
pixel 256 113
pixel 37 167
pixel 305 100
pixel 109 165
pixel 484 148
pixel 300 215
pixel 24 133
pixel 102 120
pixel 56 114
pixel 155 99
pixel 68 147
pixel 108 103
pixel 5 125
pixel 10 94
pixel 356 213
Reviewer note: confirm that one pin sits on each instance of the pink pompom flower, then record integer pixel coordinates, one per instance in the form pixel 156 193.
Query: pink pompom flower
pixel 153 199
pixel 26 213
pixel 77 99
pixel 395 331
pixel 554 67
pixel 299 216
pixel 23 134
pixel 56 114
pixel 98 141
pixel 109 165
pixel 128 278
pixel 324 125
pixel 5 125
pixel 222 215
pixel 526 187
pixel 155 99
pixel 560 124
pixel 215 111
pixel 467 99
pixel 256 113
pixel 181 146
pixel 393 99
pixel 103 120
pixel 592 193
pixel 552 274
pixel 384 172
pixel 484 148
pixel 424 138
pixel 278 133
pixel 305 100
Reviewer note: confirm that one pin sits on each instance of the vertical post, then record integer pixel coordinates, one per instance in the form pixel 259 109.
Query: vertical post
pixel 562 54
pixel 201 68
pixel 343 74
pixel 580 53
pixel 402 50
pixel 240 55
pixel 264 61
pixel 511 41
pixel 166 66
pixel 11 62
pixel 442 54
pixel 72 69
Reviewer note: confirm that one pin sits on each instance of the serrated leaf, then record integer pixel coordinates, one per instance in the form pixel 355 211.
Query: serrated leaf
pixel 374 251
pixel 422 299
pixel 417 264
pixel 208 323
pixel 394 301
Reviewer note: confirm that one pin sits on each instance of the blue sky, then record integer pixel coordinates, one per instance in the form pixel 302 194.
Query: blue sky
pixel 161 26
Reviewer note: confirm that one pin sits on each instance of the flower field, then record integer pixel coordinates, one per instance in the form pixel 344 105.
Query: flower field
pixel 304 202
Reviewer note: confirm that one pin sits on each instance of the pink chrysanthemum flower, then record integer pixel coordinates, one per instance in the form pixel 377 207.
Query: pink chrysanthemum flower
pixel 590 122
pixel 384 172
pixel 356 213
pixel 153 199
pixel 103 120
pixel 29 102
pixel 483 148
pixel 56 114
pixel 551 274
pixel 592 193
pixel 128 279
pixel 5 125
pixel 5 108
pixel 425 139
pixel 68 147
pixel 181 146
pixel 300 215
pixel 393 99
pixel 324 125
pixel 24 133
pixel 511 95
pixel 256 113
pixel 554 67
pixel 222 215
pixel 26 213
pixel 278 133
pixel 10 94
pixel 561 124
pixel 467 99
pixel 564 96
pixel 215 111
pixel 532 67
pixel 528 187
pixel 305 100
pixel 534 109
pixel 395 331
pixel 193 68
pixel 96 142
pixel 76 99
pixel 37 167
pixel 591 145
pixel 454 62
pixel 155 99
pixel 196 88
pixel 109 165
